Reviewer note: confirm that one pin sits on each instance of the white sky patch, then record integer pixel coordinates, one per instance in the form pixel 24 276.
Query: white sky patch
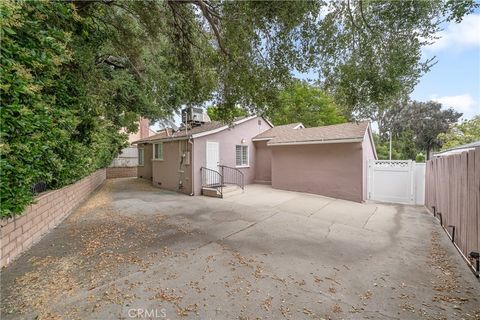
pixel 458 36
pixel 463 103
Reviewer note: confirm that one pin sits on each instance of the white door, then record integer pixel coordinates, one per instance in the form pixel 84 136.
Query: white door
pixel 213 160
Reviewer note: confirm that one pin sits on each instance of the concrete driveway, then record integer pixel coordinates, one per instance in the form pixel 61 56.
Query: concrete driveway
pixel 134 251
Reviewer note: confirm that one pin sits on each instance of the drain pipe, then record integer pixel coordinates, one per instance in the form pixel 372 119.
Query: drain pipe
pixel 192 164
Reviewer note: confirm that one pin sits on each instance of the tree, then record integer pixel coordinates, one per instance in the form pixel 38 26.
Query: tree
pixel 403 147
pixel 244 52
pixel 425 121
pixel 301 102
pixel 461 133
pixel 49 131
pixel 217 114
pixel 373 57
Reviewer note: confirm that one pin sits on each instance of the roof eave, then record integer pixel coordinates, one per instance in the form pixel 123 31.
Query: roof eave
pixel 225 127
pixel 166 139
pixel 262 139
pixel 324 141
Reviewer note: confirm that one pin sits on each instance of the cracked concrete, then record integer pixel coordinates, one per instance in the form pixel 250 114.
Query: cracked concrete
pixel 265 254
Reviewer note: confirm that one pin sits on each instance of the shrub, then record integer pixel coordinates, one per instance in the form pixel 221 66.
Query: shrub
pixel 420 157
pixel 46 133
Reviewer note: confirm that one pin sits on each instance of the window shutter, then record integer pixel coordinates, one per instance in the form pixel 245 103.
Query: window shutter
pixel 244 155
pixel 238 155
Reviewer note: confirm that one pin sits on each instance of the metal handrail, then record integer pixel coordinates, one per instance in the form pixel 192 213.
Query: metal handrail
pixel 232 176
pixel 212 179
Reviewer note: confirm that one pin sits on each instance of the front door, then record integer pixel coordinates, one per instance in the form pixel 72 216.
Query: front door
pixel 213 160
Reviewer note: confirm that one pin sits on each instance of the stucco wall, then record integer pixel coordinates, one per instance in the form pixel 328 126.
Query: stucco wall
pixel 263 163
pixel 145 171
pixel 368 153
pixel 227 140
pixel 333 170
pixel 166 172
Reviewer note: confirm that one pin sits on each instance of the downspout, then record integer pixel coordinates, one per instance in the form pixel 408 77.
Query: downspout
pixel 190 141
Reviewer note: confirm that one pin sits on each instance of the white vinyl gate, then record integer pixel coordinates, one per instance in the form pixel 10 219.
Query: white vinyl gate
pixel 391 181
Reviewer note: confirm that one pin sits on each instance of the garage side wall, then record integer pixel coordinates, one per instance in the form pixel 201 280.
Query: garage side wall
pixel 166 173
pixel 145 171
pixel 333 170
pixel 263 162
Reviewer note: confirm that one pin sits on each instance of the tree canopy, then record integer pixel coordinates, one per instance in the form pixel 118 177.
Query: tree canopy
pixel 420 122
pixel 461 133
pixel 301 102
pixel 366 53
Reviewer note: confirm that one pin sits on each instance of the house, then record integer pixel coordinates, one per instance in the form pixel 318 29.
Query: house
pixel 183 160
pixel 330 160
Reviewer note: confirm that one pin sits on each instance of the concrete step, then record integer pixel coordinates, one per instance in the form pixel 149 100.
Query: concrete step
pixel 211 192
pixel 228 191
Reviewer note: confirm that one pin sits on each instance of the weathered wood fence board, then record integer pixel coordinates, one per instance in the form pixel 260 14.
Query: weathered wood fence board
pixel 452 186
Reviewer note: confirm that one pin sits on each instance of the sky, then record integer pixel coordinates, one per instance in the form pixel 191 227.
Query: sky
pixel 455 80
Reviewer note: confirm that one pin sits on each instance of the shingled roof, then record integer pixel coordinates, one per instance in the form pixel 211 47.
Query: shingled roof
pixel 182 133
pixel 213 126
pixel 295 133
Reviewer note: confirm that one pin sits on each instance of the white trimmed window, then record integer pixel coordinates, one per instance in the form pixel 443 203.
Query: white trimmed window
pixel 158 151
pixel 141 157
pixel 241 156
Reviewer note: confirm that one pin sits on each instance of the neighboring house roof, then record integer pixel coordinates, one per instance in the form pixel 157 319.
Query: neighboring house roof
pixel 458 149
pixel 195 132
pixel 296 134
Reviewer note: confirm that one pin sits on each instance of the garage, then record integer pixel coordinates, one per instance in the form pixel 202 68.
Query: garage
pixel 329 160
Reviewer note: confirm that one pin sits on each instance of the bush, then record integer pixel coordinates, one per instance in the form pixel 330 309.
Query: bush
pixel 420 157
pixel 47 133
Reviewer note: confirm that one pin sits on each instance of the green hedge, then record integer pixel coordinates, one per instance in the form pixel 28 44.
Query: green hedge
pixel 48 130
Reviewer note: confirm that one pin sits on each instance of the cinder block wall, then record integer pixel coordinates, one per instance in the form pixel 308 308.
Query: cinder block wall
pixel 121 172
pixel 50 208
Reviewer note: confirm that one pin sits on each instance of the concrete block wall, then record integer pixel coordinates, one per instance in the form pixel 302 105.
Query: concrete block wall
pixel 121 172
pixel 49 209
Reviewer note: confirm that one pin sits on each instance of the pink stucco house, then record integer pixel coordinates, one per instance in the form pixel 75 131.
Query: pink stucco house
pixel 206 156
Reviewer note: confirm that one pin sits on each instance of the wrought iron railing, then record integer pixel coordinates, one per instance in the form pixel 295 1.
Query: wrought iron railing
pixel 212 179
pixel 218 179
pixel 232 176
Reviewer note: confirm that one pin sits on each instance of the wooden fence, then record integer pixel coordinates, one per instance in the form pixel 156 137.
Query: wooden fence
pixel 452 186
